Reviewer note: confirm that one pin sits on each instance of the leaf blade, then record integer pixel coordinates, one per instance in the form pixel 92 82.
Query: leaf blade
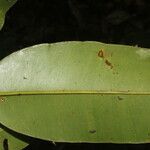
pixel 79 69
pixel 67 92
pixel 72 118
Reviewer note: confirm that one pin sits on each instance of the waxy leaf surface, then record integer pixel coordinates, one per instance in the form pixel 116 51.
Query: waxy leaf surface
pixel 77 92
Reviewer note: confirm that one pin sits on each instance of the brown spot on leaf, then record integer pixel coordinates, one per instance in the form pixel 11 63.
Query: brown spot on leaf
pixel 24 77
pixel 108 63
pixel 101 53
pixel 104 55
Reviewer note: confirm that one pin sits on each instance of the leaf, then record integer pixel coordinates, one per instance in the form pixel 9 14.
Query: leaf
pixel 4 6
pixel 77 92
pixel 9 141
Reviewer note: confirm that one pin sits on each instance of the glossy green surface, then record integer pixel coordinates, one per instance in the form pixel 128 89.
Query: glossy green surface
pixel 79 118
pixel 4 6
pixel 67 92
pixel 76 67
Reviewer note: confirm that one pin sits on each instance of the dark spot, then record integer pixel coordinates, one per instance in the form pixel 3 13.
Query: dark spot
pixel 108 63
pixel 24 77
pixel 92 131
pixel 120 98
pixel 101 54
pixel 148 134
pixel 5 144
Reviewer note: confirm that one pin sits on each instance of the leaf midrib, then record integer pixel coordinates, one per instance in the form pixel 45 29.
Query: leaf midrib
pixel 63 92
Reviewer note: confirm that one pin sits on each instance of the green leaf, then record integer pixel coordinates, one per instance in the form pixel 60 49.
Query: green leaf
pixel 4 6
pixel 11 142
pixel 77 92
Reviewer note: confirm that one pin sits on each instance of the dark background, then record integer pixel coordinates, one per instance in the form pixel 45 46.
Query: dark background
pixel 31 22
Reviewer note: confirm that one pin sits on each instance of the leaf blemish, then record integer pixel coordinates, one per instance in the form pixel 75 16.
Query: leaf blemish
pixel 24 77
pixel 120 98
pixel 92 131
pixel 101 53
pixel 108 63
